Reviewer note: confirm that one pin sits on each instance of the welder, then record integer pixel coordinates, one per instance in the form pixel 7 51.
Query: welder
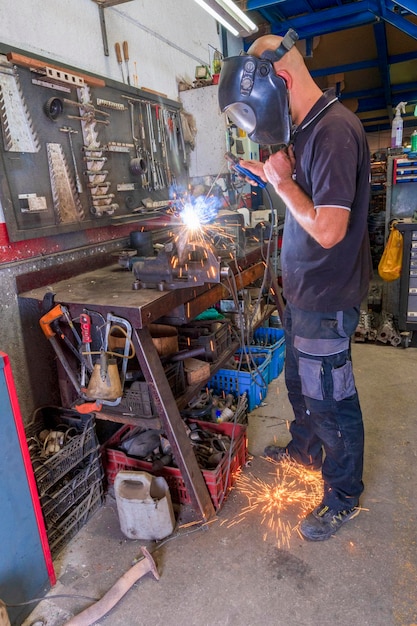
pixel 322 173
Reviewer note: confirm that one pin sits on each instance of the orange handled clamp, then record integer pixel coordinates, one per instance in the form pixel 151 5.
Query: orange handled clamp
pixel 47 320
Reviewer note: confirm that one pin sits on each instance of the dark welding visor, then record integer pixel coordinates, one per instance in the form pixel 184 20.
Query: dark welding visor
pixel 255 99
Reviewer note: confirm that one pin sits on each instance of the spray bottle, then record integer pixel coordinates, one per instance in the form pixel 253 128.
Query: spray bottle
pixel 397 126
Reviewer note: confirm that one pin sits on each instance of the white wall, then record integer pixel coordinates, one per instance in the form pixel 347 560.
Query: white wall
pixel 167 38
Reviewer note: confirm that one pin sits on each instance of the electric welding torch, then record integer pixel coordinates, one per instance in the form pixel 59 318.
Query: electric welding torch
pixel 242 171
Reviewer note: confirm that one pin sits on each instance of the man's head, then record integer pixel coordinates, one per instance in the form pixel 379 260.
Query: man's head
pixel 254 89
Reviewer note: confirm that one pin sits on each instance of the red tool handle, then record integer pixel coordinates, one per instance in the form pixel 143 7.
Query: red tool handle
pixel 85 322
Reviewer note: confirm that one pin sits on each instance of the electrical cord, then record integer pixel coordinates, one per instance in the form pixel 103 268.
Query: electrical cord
pixel 157 547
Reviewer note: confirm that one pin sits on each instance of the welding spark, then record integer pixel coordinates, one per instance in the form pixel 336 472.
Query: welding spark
pixel 291 490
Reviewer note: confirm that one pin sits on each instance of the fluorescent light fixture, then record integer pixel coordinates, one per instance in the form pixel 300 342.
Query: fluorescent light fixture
pixel 238 14
pixel 230 16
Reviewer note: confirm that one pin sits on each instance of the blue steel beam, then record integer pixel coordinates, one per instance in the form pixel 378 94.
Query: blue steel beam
pixel 325 21
pixel 382 50
pixel 361 65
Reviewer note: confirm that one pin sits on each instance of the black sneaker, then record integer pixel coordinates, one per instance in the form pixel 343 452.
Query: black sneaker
pixel 276 453
pixel 324 522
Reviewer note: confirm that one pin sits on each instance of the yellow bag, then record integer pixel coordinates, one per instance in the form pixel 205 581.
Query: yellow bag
pixel 389 267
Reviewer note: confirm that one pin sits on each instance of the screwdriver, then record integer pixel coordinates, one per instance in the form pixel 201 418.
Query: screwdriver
pixel 119 58
pixel 126 58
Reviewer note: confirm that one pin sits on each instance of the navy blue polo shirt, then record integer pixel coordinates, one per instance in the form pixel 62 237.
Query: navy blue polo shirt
pixel 333 168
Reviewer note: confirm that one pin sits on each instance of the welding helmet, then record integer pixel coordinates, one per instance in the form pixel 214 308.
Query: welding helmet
pixel 254 97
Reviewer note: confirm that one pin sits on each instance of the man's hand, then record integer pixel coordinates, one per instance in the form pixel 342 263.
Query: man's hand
pixel 256 167
pixel 279 168
pixel 327 225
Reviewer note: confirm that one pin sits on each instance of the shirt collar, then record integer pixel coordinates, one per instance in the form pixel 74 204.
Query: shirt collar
pixel 326 100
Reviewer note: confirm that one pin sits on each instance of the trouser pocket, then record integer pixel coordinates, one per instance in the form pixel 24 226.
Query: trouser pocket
pixel 343 382
pixel 310 375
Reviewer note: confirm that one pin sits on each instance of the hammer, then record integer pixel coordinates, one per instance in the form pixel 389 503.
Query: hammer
pixel 114 594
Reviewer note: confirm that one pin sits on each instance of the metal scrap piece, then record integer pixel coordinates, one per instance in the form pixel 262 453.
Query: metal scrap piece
pixel 18 132
pixel 67 204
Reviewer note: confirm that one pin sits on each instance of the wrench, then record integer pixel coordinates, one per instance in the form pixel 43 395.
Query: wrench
pixel 69 131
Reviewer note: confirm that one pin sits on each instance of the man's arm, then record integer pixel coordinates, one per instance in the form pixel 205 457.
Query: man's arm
pixel 326 224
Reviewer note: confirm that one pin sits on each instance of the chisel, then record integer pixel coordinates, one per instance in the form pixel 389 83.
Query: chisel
pixel 119 59
pixel 126 58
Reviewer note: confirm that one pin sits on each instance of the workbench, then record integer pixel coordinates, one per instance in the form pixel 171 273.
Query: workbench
pixel 110 289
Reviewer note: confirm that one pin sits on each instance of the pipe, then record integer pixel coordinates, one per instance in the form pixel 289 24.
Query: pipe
pixel 94 612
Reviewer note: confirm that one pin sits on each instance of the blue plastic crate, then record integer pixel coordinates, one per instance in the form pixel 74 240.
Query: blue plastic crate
pixel 274 340
pixel 255 383
pixel 256 356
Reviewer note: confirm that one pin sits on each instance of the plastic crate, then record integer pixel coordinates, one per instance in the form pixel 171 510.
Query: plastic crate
pixel 255 383
pixel 255 356
pixel 137 399
pixel 274 340
pixel 60 533
pixel 212 336
pixel 219 481
pixel 70 489
pixel 84 443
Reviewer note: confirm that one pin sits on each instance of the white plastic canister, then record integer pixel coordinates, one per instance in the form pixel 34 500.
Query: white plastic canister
pixel 144 505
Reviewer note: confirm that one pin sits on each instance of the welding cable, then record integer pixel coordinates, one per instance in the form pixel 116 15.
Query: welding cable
pixel 244 333
pixel 267 256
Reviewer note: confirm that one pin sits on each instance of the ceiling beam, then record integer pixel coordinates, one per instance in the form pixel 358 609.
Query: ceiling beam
pixel 382 51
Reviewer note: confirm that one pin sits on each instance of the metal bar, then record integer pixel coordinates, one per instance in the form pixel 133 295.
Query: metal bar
pixel 151 366
pixel 103 30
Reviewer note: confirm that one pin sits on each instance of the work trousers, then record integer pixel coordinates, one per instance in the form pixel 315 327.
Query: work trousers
pixel 327 430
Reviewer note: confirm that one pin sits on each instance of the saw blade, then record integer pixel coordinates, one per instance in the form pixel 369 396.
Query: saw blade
pixel 18 132
pixel 66 201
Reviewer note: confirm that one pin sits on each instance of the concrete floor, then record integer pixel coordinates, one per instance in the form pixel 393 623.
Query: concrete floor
pixel 231 573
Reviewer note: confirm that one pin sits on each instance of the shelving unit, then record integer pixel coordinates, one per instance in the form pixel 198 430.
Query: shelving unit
pixel 377 209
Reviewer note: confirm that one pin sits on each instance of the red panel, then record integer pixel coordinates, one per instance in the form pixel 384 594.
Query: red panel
pixel 27 249
pixel 28 467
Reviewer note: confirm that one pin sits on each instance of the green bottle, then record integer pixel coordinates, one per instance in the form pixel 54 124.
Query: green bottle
pixel 414 141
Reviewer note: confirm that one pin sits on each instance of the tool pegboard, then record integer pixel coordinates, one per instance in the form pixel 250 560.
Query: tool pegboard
pixel 81 152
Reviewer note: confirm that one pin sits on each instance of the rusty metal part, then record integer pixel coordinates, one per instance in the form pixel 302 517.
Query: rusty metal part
pixel 97 197
pixel 86 106
pixel 165 272
pixel 99 210
pixel 96 177
pixel 114 594
pixel 18 132
pixel 88 118
pixel 66 201
pixel 99 188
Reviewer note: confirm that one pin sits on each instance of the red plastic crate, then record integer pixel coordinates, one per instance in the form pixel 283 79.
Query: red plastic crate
pixel 219 481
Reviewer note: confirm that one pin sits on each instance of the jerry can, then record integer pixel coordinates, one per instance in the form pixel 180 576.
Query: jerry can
pixel 144 505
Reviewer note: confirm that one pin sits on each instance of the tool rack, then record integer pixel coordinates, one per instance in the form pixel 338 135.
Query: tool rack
pixel 109 290
pixel 80 152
